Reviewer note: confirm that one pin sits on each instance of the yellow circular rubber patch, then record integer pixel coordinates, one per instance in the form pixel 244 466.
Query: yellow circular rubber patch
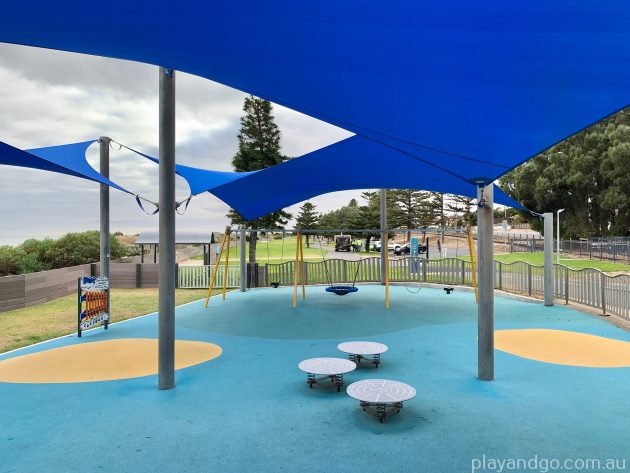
pixel 564 348
pixel 108 360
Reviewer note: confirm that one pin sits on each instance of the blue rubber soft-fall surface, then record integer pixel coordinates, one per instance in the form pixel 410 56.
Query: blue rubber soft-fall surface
pixel 250 410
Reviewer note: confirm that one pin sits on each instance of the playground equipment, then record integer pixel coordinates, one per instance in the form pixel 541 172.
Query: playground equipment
pixel 299 268
pixel 358 352
pixel 340 290
pixel 226 238
pixel 384 396
pixel 275 284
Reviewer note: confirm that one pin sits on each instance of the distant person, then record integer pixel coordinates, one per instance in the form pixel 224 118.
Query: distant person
pixel 359 245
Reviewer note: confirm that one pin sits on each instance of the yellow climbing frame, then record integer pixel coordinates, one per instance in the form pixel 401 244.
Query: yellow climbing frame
pixel 299 268
pixel 226 238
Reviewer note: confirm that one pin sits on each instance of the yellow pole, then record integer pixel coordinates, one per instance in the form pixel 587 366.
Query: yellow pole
pixel 216 267
pixel 302 264
pixel 385 248
pixel 225 272
pixel 473 262
pixel 296 272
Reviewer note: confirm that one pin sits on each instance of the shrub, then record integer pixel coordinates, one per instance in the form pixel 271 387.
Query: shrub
pixel 69 250
pixel 80 248
pixel 39 251
pixel 9 261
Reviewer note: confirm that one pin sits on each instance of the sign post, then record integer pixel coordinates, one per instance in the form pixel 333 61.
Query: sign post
pixel 93 303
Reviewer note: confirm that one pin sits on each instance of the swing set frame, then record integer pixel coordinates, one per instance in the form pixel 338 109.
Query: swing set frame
pixel 299 267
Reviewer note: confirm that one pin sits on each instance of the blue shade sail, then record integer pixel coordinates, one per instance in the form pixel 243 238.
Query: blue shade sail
pixel 64 159
pixel 353 163
pixel 473 87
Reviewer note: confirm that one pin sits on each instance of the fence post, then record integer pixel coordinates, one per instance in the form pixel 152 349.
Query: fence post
pixel 463 272
pixel 266 273
pixel 306 272
pixel 344 266
pixel 529 279
pixel 243 259
pixel 500 275
pixel 176 275
pixel 255 282
pixel 603 284
pixel 424 270
pixel 138 276
pixel 548 269
pixel 566 285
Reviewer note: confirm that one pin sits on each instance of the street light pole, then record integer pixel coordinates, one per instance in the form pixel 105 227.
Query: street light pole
pixel 558 235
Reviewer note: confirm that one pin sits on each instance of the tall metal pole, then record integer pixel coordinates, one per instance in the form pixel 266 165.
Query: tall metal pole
pixel 243 258
pixel 166 335
pixel 548 275
pixel 383 234
pixel 485 308
pixel 104 214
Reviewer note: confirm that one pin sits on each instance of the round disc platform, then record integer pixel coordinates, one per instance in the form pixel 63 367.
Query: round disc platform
pixel 363 348
pixel 381 391
pixel 327 366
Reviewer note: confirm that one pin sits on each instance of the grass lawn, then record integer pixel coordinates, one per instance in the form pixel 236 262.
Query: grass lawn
pixel 22 327
pixel 276 252
pixel 539 259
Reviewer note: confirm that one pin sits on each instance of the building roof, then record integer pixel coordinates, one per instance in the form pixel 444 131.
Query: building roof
pixel 182 238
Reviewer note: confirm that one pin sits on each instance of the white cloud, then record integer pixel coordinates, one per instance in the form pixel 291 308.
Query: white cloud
pixel 50 97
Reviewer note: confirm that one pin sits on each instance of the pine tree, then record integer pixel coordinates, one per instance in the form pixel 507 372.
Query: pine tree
pixel 437 209
pixel 462 208
pixel 410 209
pixel 369 215
pixel 258 148
pixel 307 218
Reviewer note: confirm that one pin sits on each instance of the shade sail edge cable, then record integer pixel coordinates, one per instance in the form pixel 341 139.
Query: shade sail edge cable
pixel 301 177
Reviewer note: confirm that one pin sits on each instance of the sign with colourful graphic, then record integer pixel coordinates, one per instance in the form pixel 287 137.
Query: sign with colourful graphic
pixel 414 246
pixel 93 304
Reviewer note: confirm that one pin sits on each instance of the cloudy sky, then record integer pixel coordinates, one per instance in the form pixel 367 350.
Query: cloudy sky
pixel 50 97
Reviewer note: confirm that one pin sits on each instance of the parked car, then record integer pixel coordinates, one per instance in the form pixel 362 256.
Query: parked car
pixel 406 249
pixel 390 245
